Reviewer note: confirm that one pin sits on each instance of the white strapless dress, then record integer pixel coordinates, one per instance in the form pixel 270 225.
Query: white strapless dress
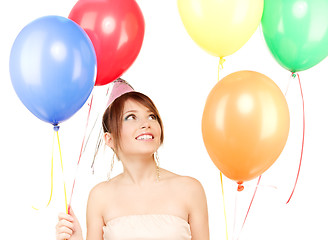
pixel 147 227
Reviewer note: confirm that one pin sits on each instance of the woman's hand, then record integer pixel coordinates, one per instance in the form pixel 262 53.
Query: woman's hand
pixel 68 227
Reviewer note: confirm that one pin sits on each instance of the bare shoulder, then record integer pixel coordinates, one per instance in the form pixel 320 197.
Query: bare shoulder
pixel 189 184
pixel 99 187
pixel 100 197
pixel 193 196
pixel 96 193
pixel 102 190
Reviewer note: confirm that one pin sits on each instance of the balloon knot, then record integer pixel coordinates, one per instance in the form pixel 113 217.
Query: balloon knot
pixel 294 75
pixel 222 60
pixel 56 128
pixel 240 186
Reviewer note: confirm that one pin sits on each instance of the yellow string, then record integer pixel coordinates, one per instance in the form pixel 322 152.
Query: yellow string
pixel 222 60
pixel 224 207
pixel 61 163
pixel 52 173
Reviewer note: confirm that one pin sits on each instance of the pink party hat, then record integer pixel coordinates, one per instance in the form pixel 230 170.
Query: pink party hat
pixel 120 87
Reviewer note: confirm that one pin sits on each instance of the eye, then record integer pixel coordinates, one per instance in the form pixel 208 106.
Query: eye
pixel 130 117
pixel 152 117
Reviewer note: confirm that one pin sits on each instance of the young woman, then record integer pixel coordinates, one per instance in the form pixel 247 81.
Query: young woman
pixel 145 201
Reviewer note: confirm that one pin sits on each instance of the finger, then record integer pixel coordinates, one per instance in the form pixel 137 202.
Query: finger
pixel 64 229
pixel 65 216
pixel 63 236
pixel 71 212
pixel 65 223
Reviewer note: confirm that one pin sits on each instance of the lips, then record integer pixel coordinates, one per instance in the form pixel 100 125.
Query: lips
pixel 145 136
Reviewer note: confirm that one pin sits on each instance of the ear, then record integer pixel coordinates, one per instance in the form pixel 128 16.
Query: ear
pixel 109 141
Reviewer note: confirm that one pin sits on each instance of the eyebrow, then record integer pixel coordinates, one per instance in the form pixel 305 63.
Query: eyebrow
pixel 134 111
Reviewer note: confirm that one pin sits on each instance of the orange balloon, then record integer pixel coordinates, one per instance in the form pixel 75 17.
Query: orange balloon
pixel 245 124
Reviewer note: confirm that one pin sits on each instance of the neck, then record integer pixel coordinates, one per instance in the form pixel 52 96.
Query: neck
pixel 140 170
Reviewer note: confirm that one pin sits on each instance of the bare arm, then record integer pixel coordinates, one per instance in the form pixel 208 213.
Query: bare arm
pixel 68 226
pixel 95 221
pixel 198 214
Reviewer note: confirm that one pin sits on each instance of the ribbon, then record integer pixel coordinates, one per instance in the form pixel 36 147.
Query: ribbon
pixel 299 167
pixel 257 185
pixel 56 128
pixel 52 173
pixel 289 84
pixel 248 210
pixel 62 168
pixel 99 140
pixel 224 207
pixel 80 155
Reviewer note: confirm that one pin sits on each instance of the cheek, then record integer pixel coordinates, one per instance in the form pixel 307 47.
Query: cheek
pixel 159 131
pixel 127 129
pixel 125 135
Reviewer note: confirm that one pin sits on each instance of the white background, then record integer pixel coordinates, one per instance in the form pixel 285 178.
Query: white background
pixel 178 76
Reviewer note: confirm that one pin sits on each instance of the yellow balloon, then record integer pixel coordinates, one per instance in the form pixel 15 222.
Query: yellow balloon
pixel 221 27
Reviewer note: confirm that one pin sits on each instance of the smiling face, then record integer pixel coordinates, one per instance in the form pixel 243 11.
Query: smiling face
pixel 132 124
pixel 140 132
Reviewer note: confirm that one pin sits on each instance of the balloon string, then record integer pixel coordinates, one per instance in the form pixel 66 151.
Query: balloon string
pixel 224 207
pixel 94 124
pixel 52 173
pixel 99 141
pixel 92 128
pixel 299 167
pixel 78 162
pixel 257 185
pixel 62 168
pixel 222 60
pixel 288 84
pixel 85 130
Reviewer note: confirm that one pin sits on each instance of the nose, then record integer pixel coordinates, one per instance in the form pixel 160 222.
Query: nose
pixel 145 123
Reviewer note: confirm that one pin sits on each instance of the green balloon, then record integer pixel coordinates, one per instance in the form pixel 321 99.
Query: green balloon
pixel 296 32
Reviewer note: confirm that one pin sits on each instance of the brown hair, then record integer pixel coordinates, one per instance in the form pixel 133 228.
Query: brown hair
pixel 112 118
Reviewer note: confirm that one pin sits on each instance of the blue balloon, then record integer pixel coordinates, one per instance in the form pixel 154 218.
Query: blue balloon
pixel 53 68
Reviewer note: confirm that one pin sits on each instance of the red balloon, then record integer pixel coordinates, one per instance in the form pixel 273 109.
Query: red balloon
pixel 116 29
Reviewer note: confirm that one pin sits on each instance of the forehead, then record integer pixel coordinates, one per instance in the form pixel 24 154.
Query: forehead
pixel 133 105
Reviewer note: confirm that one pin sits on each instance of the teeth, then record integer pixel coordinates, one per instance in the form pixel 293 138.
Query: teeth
pixel 144 137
